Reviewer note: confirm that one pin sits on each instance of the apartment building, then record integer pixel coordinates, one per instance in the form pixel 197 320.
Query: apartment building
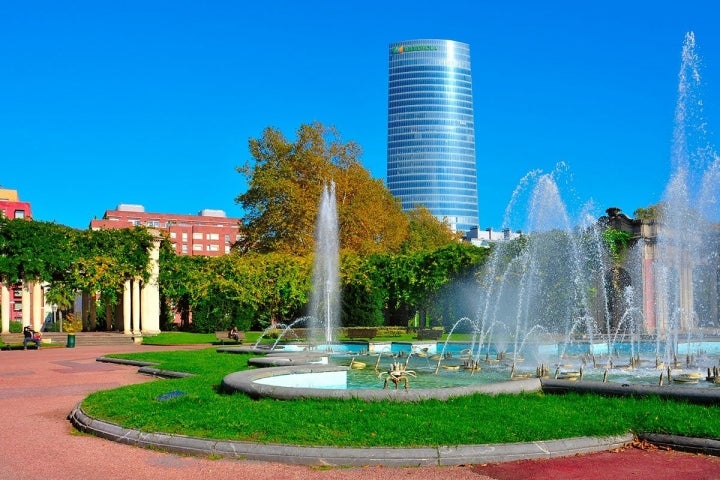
pixel 209 233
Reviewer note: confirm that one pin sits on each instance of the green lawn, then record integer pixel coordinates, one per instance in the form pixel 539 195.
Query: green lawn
pixel 195 408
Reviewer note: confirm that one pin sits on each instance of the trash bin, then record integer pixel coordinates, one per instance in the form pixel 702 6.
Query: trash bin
pixel 70 340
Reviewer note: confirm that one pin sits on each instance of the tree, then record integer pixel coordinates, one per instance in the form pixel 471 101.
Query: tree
pixel 651 213
pixel 363 292
pixel 33 250
pixel 371 219
pixel 426 232
pixel 285 181
pixel 412 281
pixel 72 261
pixel 178 276
pixel 247 291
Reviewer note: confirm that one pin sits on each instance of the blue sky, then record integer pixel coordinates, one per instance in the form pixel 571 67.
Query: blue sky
pixel 153 102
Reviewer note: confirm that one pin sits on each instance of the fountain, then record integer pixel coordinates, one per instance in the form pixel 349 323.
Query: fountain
pixel 685 274
pixel 324 307
pixel 570 299
pixel 325 300
pixel 557 301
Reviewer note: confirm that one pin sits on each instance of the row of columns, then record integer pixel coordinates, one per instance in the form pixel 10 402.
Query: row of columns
pixel 33 305
pixel 138 312
pixel 655 307
pixel 140 307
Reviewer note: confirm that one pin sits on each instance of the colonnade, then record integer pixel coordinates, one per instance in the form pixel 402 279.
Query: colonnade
pixel 137 313
pixel 33 305
pixel 656 308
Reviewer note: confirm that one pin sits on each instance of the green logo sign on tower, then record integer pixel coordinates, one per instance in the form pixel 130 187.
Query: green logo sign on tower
pixel 411 48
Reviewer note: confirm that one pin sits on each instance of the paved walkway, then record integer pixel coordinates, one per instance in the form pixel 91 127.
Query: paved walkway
pixel 39 388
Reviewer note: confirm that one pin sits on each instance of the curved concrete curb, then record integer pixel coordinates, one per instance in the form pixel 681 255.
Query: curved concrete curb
pixel 332 456
pixel 124 361
pixel 145 368
pixel 685 444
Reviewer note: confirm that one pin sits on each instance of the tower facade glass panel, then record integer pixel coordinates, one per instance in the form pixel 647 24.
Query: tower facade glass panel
pixel 431 130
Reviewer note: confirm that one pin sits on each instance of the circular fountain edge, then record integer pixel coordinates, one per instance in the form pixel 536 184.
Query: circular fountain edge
pixel 246 382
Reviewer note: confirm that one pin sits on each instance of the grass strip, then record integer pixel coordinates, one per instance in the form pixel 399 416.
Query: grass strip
pixel 199 410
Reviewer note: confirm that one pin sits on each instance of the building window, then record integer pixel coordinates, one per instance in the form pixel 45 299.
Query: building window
pixel 17 307
pixel 213 248
pixel 153 223
pixel 173 235
pixel 227 238
pixel 184 248
pixel 197 247
pixel 227 248
pixel 197 236
pixel 19 214
pixel 212 236
pixel 184 236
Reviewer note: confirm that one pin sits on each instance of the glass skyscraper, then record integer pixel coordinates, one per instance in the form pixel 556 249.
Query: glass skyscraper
pixel 431 130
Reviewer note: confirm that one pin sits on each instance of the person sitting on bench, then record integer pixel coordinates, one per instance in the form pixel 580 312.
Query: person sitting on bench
pixel 234 334
pixel 29 335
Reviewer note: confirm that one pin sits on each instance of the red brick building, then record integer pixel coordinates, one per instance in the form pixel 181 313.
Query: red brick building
pixel 11 207
pixel 209 233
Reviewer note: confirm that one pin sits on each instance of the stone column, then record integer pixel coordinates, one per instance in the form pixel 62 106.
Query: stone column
pixel 127 308
pixel 648 280
pixel 136 319
pixel 26 304
pixel 151 291
pixel 687 294
pixel 648 232
pixel 37 304
pixel 5 307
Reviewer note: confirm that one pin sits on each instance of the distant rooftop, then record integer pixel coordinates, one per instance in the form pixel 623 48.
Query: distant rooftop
pixel 129 207
pixel 8 195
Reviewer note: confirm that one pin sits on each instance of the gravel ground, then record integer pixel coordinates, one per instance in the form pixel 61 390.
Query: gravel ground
pixel 38 388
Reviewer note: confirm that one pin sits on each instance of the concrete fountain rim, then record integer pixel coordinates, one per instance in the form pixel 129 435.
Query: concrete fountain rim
pixel 246 382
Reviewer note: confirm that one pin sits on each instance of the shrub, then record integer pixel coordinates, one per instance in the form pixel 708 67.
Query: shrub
pixel 70 324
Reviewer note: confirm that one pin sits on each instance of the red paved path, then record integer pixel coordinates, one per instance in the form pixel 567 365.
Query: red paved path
pixel 39 388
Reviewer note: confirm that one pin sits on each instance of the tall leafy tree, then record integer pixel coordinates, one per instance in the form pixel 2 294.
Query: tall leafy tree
pixel 412 281
pixel 371 219
pixel 426 232
pixel 285 180
pixel 33 250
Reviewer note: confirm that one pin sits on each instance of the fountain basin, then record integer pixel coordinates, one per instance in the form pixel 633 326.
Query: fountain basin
pixel 257 384
pixel 688 394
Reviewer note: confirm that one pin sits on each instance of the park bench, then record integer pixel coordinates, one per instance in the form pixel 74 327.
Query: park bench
pixel 222 337
pixel 15 340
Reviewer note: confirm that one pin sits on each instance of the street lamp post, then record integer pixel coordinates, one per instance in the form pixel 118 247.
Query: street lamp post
pixel 54 310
